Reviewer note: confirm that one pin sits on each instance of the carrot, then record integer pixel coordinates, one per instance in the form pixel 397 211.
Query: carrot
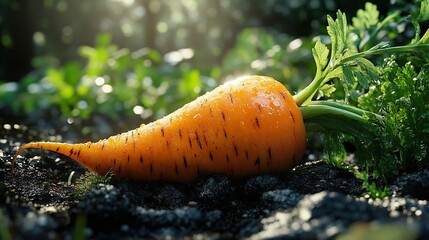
pixel 245 127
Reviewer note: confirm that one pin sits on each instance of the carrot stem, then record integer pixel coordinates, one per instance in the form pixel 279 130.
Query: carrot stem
pixel 313 111
pixel 331 115
pixel 344 107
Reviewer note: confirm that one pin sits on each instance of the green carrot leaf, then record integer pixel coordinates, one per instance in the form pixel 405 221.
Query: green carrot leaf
pixel 334 149
pixel 339 34
pixel 366 18
pixel 424 11
pixel 320 54
pixel 367 72
pixel 326 90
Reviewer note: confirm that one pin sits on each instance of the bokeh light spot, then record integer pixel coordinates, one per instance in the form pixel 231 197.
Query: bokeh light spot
pixel 127 29
pixel 162 27
pixel 138 110
pixel 295 44
pixel 107 88
pixel 39 39
pixel 82 104
pixel 99 81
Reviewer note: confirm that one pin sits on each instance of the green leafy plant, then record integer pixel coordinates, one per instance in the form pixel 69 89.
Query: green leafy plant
pixel 109 83
pixel 373 189
pixel 382 109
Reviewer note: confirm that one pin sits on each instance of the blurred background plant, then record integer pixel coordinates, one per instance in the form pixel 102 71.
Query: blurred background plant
pixel 152 56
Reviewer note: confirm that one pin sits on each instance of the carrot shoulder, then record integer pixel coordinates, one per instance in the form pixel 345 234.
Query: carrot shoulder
pixel 245 127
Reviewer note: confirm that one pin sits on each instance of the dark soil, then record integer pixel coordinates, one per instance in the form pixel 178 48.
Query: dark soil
pixel 314 201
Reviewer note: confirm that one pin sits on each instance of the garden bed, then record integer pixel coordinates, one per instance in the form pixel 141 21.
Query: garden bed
pixel 314 201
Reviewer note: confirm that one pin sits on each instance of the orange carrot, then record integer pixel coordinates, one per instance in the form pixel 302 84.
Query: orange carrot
pixel 245 127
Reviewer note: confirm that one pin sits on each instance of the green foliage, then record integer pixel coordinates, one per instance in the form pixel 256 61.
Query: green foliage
pixel 383 107
pixel 373 189
pixel 89 180
pixel 339 34
pixel 368 30
pixel 190 86
pixel 111 82
pixel 402 96
pixel 320 54
pixel 335 151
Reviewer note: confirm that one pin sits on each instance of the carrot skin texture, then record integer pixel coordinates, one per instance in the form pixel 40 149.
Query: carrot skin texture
pixel 245 127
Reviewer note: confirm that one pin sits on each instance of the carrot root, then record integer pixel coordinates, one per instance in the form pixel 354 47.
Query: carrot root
pixel 245 127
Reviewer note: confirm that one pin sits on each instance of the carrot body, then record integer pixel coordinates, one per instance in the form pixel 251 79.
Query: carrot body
pixel 245 127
